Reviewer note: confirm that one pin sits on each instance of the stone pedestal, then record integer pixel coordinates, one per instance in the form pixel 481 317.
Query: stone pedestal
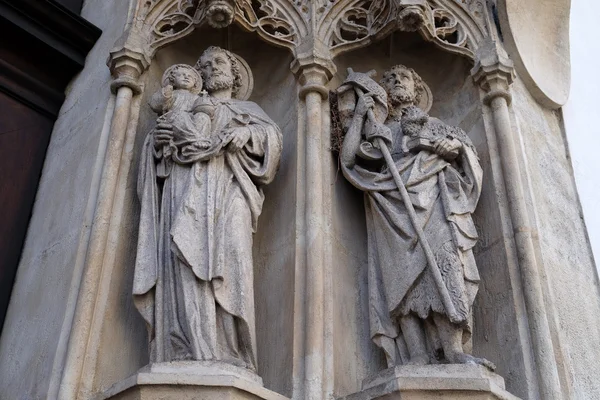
pixel 429 382
pixel 191 380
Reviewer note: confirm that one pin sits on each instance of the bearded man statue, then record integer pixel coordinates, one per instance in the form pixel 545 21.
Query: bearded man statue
pixel 439 168
pixel 193 280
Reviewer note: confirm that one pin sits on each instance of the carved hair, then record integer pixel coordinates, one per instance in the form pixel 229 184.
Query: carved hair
pixel 235 68
pixel 419 85
pixel 171 74
pixel 168 77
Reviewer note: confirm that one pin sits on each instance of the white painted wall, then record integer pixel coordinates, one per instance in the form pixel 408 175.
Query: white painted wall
pixel 581 114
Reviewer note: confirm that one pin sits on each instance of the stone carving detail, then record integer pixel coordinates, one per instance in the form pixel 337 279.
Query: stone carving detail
pixel 220 13
pixel 452 24
pixel 199 185
pixel 281 23
pixel 327 27
pixel 457 26
pixel 358 23
pixel 422 182
pixel 168 21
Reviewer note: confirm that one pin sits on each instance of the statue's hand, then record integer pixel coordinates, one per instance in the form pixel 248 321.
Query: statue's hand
pixel 364 104
pixel 167 91
pixel 238 137
pixel 163 134
pixel 445 146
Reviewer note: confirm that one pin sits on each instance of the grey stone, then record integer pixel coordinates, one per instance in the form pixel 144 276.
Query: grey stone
pixel 450 382
pixel 200 188
pixel 206 380
pixel 422 273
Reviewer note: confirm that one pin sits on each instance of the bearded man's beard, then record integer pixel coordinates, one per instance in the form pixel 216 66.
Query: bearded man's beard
pixel 219 82
pixel 400 96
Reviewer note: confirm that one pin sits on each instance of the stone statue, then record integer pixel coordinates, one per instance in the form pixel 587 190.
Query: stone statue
pixel 176 104
pixel 422 273
pixel 199 185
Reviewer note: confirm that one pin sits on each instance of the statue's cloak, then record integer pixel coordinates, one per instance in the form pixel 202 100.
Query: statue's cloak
pixel 200 218
pixel 444 195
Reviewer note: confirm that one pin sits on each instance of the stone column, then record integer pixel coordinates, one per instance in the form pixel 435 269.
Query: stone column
pixel 494 73
pixel 126 67
pixel 311 378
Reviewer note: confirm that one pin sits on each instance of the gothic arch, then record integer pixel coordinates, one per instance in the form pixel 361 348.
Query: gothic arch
pixel 319 29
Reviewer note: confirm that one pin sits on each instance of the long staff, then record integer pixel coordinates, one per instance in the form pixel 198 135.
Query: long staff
pixel 433 267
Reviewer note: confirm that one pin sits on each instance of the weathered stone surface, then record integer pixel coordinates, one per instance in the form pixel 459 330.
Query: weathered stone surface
pixel 448 382
pixel 536 34
pixel 422 273
pixel 44 297
pixel 191 381
pixel 200 187
pixel 310 249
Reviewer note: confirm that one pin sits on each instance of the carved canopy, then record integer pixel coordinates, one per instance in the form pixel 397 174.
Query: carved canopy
pixel 317 28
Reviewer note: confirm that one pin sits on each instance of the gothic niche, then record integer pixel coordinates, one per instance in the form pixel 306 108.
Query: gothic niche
pixel 199 184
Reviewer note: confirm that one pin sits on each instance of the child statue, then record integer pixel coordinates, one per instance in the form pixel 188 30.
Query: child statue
pixel 181 104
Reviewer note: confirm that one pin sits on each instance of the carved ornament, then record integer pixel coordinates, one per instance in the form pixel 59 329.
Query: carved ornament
pixel 314 31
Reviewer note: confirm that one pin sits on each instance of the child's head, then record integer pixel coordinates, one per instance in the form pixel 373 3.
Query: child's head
pixel 182 76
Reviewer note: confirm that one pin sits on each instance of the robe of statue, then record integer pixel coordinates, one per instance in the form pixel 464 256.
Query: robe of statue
pixel 193 281
pixel 444 195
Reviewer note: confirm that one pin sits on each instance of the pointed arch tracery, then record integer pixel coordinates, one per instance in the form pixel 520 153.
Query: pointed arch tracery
pixel 337 26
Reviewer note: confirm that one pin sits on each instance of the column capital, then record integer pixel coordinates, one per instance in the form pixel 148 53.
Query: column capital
pixel 494 71
pixel 128 60
pixel 314 67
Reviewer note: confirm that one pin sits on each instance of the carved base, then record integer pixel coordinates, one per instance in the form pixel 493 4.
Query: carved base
pixel 429 382
pixel 191 380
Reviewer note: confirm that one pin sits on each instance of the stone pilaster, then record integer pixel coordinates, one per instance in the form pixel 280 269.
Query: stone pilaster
pixel 494 73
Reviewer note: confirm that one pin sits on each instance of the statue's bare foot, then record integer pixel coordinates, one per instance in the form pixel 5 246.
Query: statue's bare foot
pixel 462 358
pixel 419 359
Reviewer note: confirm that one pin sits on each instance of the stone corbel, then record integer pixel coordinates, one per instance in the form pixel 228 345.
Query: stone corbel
pixel 494 73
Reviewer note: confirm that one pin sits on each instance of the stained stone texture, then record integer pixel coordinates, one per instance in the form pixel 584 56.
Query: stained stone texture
pixel 199 303
pixel 38 322
pixel 448 382
pixel 191 381
pixel 273 250
pixel 456 102
pixel 34 342
pixel 571 286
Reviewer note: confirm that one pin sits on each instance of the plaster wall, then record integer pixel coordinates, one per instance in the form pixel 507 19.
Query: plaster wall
pixel 38 322
pixel 570 280
pixel 583 134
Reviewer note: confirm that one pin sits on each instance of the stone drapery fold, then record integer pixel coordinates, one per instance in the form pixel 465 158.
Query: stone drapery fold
pixel 208 207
